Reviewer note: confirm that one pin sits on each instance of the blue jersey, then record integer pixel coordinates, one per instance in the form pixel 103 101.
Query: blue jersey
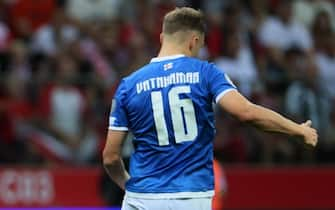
pixel 167 105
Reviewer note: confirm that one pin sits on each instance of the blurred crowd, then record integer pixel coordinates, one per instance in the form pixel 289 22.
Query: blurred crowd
pixel 61 61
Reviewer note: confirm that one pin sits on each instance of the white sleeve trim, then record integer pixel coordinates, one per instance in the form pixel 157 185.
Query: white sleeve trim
pixel 217 99
pixel 118 128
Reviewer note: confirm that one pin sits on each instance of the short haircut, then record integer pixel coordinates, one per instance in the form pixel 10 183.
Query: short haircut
pixel 183 19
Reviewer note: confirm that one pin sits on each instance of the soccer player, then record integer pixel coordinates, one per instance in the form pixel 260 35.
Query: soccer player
pixel 167 105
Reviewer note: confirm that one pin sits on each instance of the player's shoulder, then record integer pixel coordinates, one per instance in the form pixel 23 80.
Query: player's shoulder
pixel 138 73
pixel 207 67
pixel 197 61
pixel 204 66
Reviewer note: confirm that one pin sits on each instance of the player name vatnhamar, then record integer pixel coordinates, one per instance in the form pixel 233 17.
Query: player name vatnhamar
pixel 164 81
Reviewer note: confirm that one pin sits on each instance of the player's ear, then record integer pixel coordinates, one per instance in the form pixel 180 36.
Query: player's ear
pixel 193 42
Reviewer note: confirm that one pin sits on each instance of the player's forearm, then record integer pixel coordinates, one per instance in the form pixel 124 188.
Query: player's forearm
pixel 117 172
pixel 269 120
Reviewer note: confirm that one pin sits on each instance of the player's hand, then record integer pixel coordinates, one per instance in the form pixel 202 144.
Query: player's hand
pixel 310 135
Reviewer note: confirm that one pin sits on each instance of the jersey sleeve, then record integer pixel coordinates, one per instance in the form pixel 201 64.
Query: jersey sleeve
pixel 118 119
pixel 219 83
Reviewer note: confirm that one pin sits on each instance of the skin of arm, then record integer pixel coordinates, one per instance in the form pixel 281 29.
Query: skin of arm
pixel 265 119
pixel 112 160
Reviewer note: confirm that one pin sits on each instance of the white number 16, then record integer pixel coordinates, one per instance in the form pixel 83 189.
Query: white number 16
pixel 182 115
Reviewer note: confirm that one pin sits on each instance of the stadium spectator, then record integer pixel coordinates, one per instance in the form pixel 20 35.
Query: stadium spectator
pixel 63 114
pixel 19 62
pixel 281 31
pixel 4 36
pixel 305 11
pixel 324 43
pixel 7 133
pixel 325 60
pixel 87 10
pixel 326 151
pixel 278 33
pixel 91 48
pixel 15 112
pixel 51 37
pixel 320 29
pixel 27 16
pixel 303 99
pixel 237 61
pixel 254 16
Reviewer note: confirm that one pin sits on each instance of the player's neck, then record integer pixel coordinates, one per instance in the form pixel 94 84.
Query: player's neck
pixel 170 50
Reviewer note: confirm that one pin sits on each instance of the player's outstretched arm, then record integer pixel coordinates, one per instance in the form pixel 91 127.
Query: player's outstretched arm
pixel 266 119
pixel 112 157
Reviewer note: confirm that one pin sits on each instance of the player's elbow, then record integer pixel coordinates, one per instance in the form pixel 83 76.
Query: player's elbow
pixel 109 157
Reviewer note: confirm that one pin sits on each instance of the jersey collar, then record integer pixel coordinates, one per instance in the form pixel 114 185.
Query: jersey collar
pixel 158 59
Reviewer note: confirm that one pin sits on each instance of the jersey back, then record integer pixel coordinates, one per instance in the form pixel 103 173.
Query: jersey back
pixel 167 105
